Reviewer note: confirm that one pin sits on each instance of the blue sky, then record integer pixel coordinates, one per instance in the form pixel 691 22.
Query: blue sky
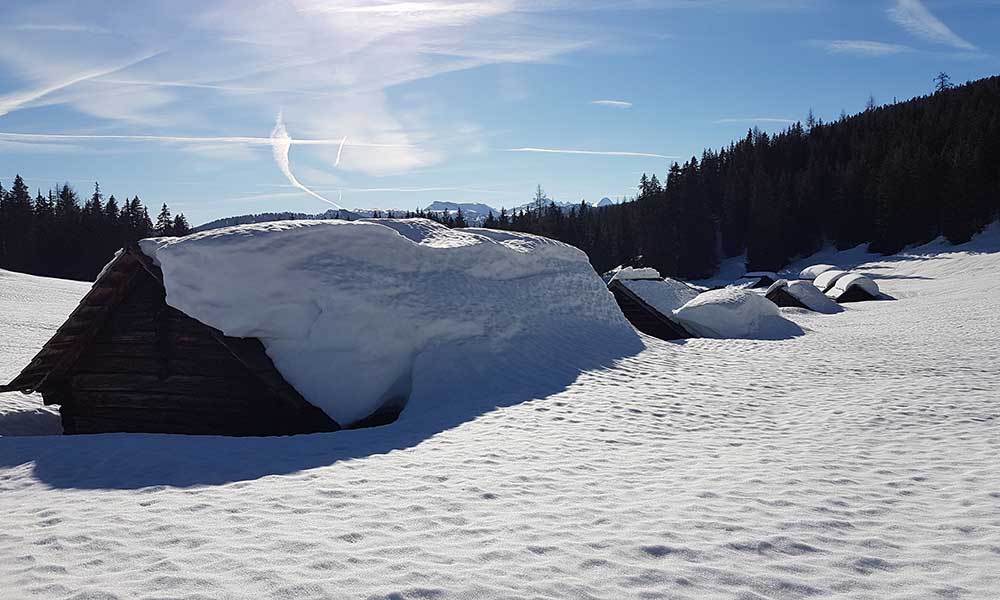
pixel 223 107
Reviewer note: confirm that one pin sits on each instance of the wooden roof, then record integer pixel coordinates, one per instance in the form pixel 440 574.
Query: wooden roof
pixel 644 317
pixel 58 355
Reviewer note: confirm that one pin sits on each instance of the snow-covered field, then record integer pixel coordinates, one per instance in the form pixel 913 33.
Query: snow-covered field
pixel 858 461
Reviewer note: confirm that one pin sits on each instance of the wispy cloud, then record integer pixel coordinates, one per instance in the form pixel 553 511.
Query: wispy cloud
pixel 17 100
pixel 281 143
pixel 913 16
pixel 860 47
pixel 58 28
pixel 755 120
pixel 612 103
pixel 590 152
pixel 181 139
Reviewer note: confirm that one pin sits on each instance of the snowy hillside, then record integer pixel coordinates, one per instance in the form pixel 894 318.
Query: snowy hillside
pixel 856 461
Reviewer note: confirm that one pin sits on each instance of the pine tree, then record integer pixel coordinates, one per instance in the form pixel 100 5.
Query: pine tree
pixel 942 82
pixel 180 226
pixel 164 222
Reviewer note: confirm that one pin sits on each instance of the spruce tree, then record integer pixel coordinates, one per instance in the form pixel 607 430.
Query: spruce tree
pixel 164 222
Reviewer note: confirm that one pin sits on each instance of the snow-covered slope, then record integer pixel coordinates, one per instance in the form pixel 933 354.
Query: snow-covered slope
pixel 31 309
pixel 856 461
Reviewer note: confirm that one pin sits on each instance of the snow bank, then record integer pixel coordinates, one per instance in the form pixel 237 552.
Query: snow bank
pixel 665 295
pixel 632 274
pixel 853 280
pixel 808 294
pixel 345 309
pixel 811 273
pixel 825 280
pixel 735 313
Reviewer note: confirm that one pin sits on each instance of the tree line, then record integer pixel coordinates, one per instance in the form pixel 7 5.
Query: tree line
pixel 893 175
pixel 56 235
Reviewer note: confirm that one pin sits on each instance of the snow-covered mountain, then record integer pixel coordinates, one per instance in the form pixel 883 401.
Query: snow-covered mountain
pixel 605 201
pixel 475 213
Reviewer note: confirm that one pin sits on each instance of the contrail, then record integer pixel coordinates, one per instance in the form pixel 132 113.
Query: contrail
pixel 340 151
pixel 281 142
pixel 178 139
pixel 12 102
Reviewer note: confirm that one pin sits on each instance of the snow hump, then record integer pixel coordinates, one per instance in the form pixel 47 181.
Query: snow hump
pixel 355 314
pixel 811 273
pixel 853 280
pixel 734 312
pixel 666 295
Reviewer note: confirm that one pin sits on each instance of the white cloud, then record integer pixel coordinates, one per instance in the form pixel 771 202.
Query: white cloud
pixel 913 16
pixel 612 103
pixel 25 97
pixel 590 152
pixel 861 47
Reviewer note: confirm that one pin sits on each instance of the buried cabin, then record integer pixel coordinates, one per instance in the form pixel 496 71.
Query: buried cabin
pixel 126 361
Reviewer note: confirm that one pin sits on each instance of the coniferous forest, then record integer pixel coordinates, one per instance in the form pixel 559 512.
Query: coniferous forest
pixel 892 175
pixel 56 235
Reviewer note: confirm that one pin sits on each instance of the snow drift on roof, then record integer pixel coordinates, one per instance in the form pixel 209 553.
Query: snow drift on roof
pixel 825 280
pixel 632 273
pixel 352 313
pixel 735 313
pixel 809 295
pixel 810 273
pixel 853 280
pixel 665 295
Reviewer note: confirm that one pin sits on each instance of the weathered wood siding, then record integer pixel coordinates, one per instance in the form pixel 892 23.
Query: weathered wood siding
pixel 151 368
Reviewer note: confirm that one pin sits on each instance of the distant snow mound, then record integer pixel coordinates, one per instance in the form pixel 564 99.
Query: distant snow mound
pixel 853 280
pixel 665 295
pixel 633 273
pixel 811 273
pixel 809 295
pixel 825 280
pixel 356 314
pixel 735 313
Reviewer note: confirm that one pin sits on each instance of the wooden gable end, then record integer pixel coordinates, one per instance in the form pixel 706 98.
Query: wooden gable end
pixel 143 366
pixel 644 317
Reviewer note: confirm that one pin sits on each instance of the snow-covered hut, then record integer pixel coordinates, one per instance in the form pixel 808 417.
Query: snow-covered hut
pixel 756 280
pixel 825 280
pixel 648 301
pixel 315 325
pixel 800 294
pixel 812 272
pixel 126 361
pixel 854 288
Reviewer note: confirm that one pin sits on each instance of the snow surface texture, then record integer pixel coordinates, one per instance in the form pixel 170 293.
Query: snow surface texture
pixel 31 309
pixel 857 461
pixel 632 273
pixel 809 295
pixel 666 295
pixel 734 312
pixel 853 280
pixel 812 272
pixel 354 313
